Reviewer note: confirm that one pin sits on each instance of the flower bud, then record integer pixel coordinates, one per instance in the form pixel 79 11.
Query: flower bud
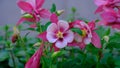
pixel 37 44
pixel 15 34
pixel 14 38
pixel 26 15
pixel 106 38
pixel 59 12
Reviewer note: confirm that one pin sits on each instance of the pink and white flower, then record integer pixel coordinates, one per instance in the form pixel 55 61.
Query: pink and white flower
pixel 33 8
pixel 59 34
pixel 88 35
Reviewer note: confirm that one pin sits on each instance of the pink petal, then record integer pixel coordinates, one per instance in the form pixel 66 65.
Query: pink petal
pixel 82 45
pixel 63 25
pixel 39 3
pixel 74 43
pixel 44 13
pixel 42 36
pixel 69 36
pixel 51 37
pixel 92 25
pixel 54 18
pixel 78 38
pixel 100 2
pixel 32 2
pixel 109 16
pixel 25 6
pixel 96 40
pixel 87 40
pixel 34 61
pixel 102 22
pixel 55 48
pixel 52 28
pixel 61 44
pixel 99 9
pixel 117 26
pixel 20 21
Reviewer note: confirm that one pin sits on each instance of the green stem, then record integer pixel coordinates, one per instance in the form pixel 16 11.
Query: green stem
pixel 40 28
pixel 13 58
pixel 6 36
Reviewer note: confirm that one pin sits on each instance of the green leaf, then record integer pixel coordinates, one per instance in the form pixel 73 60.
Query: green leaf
pixel 6 28
pixel 17 63
pixel 108 32
pixel 97 20
pixel 77 30
pixel 101 31
pixel 53 9
pixel 117 63
pixel 21 53
pixel 44 27
pixel 3 55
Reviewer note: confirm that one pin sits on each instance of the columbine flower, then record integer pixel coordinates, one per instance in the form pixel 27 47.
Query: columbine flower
pixel 59 34
pixel 34 61
pixel 104 5
pixel 33 10
pixel 110 18
pixel 88 34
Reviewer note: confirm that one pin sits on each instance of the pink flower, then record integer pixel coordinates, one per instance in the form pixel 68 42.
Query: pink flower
pixel 43 37
pixel 33 8
pixel 104 5
pixel 88 35
pixel 59 34
pixel 34 61
pixel 110 18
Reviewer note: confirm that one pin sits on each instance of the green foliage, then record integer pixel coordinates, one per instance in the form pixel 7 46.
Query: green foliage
pixel 76 30
pixel 53 8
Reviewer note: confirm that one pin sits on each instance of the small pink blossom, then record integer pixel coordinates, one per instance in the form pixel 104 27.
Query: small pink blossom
pixel 32 7
pixel 59 34
pixel 34 61
pixel 88 35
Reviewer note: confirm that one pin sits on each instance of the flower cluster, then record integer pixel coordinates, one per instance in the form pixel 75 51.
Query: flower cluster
pixel 32 11
pixel 110 12
pixel 61 33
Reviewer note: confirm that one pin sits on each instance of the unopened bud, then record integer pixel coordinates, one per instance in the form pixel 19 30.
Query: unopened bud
pixel 106 38
pixel 26 15
pixel 14 38
pixel 15 30
pixel 59 12
pixel 15 34
pixel 37 44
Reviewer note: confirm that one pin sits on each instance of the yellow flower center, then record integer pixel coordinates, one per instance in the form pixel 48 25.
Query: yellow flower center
pixel 84 33
pixel 59 34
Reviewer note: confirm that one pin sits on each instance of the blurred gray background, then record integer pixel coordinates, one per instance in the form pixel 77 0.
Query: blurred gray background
pixel 10 13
